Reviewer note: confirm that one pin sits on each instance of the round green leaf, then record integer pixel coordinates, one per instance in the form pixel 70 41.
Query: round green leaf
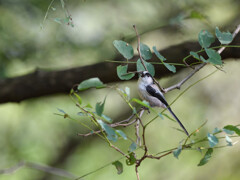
pixel 145 51
pixel 122 72
pixel 149 67
pixel 90 83
pixel 214 57
pixel 223 37
pixel 205 38
pixel 124 48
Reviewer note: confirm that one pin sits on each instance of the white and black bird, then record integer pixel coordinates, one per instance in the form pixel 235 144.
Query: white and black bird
pixel 150 92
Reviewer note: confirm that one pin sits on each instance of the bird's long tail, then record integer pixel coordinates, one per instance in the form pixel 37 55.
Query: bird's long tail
pixel 179 122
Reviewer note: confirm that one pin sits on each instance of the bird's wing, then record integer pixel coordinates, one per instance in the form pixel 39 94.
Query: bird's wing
pixel 156 93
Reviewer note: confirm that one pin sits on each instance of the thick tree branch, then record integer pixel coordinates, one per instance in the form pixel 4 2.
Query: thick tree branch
pixel 41 83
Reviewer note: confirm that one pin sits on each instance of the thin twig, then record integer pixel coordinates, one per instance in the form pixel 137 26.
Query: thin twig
pixel 197 68
pixel 141 58
pixel 138 47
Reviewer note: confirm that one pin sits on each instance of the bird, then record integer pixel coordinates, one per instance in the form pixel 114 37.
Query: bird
pixel 150 92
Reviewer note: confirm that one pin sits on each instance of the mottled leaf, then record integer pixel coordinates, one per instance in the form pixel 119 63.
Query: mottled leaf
pixel 213 140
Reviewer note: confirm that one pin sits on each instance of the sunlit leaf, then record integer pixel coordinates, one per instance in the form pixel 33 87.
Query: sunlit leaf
pixel 233 128
pixel 145 51
pixel 122 72
pixel 228 131
pixel 197 15
pixel 90 83
pixel 228 140
pixel 118 166
pixel 124 48
pixel 205 38
pixel 143 103
pixel 223 37
pixel 149 67
pixel 78 97
pixel 127 92
pixel 213 140
pixel 111 134
pixel 206 157
pixel 122 134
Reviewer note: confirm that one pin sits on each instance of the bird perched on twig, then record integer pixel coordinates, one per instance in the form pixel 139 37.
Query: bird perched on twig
pixel 150 92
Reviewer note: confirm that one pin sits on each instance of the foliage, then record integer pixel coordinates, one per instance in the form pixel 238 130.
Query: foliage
pixel 108 130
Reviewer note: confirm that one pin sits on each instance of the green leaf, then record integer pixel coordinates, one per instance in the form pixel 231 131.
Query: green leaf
pixel 214 57
pixel 197 15
pixel 205 38
pixel 111 134
pixel 149 67
pixel 233 128
pixel 78 97
pixel 124 48
pixel 118 166
pixel 228 131
pixel 206 157
pixel 143 103
pixel 133 147
pixel 213 140
pixel 177 152
pixel 204 60
pixel 145 51
pixel 194 54
pixel 228 140
pixel 100 107
pixel 223 37
pixel 131 159
pixel 90 83
pixel 170 67
pixel 106 118
pixel 158 54
pixel 122 72
pixel 122 134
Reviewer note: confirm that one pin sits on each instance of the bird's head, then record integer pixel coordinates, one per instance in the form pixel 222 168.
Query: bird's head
pixel 146 77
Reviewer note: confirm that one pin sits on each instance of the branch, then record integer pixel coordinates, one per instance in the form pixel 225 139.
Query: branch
pixel 42 83
pixel 197 68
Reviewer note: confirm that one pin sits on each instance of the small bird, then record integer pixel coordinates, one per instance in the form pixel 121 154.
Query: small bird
pixel 150 92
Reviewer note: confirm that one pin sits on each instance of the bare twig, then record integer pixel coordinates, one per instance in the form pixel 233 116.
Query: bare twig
pixel 138 141
pixel 197 68
pixel 142 61
pixel 44 168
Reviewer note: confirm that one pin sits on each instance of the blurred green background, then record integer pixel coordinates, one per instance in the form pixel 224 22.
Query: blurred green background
pixel 31 131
